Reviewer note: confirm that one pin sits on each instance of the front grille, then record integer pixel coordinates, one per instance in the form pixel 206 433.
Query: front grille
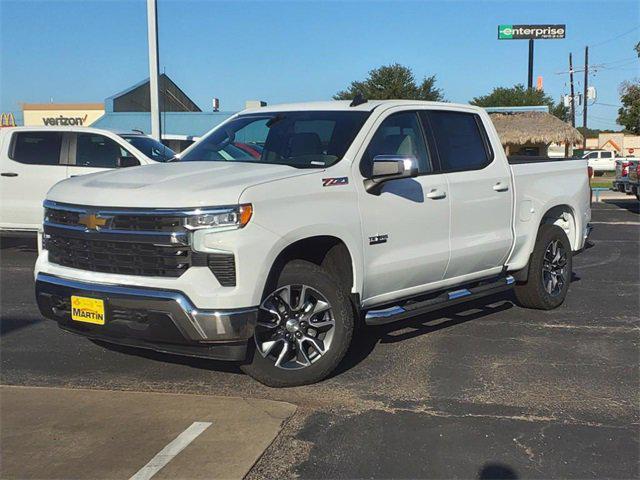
pixel 223 266
pixel 148 223
pixel 119 221
pixel 62 217
pixel 124 258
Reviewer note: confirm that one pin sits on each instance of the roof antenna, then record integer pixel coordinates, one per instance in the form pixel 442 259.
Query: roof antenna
pixel 358 100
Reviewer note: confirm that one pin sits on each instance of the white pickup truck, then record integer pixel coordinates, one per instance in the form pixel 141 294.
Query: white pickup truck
pixel 601 161
pixel 33 159
pixel 354 212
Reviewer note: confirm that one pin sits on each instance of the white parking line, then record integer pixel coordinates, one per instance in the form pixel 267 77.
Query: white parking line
pixel 164 456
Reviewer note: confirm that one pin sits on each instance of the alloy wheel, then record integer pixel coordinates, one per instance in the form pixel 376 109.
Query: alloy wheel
pixel 554 268
pixel 295 328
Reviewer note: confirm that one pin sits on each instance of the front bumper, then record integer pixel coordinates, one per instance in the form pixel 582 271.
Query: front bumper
pixel 160 320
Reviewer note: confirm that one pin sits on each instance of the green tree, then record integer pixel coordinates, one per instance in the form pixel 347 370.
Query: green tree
pixel 629 113
pixel 392 82
pixel 518 96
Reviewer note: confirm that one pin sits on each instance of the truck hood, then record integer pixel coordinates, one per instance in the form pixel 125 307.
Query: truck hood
pixel 169 185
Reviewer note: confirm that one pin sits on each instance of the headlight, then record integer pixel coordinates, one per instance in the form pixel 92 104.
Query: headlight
pixel 229 218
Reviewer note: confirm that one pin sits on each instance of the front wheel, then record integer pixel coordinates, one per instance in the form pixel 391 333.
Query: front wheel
pixel 304 328
pixel 549 270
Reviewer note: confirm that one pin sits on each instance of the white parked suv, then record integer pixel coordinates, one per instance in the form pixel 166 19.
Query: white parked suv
pixel 354 212
pixel 33 159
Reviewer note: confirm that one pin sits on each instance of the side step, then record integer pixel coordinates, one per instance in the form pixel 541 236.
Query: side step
pixel 443 300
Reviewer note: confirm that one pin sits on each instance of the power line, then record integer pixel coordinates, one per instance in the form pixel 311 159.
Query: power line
pixel 613 65
pixel 616 37
pixel 607 104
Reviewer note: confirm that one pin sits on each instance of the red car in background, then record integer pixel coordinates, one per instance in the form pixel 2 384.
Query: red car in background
pixel 252 149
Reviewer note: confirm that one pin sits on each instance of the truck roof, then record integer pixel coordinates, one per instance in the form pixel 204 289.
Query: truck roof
pixel 344 105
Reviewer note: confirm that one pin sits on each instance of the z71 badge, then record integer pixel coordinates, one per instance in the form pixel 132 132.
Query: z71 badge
pixel 332 182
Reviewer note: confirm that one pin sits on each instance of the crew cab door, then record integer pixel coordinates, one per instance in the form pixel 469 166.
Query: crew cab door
pixel 32 162
pixel 406 226
pixel 94 152
pixel 480 190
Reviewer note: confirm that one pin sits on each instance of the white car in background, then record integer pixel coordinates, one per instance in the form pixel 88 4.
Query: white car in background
pixel 601 161
pixel 33 159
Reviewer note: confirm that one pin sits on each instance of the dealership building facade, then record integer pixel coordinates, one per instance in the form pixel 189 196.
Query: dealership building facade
pixel 182 120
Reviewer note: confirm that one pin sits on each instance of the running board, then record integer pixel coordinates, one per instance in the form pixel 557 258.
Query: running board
pixel 445 299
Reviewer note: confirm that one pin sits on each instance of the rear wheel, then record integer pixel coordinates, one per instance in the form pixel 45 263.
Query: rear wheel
pixel 304 328
pixel 549 270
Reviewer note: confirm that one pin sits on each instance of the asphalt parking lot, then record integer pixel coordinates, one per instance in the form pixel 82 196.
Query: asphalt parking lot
pixel 486 390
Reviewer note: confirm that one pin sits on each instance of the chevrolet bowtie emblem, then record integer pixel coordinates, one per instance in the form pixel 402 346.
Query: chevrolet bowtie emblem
pixel 92 221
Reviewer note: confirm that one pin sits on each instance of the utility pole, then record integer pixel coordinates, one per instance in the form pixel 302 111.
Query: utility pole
pixel 572 104
pixel 584 99
pixel 152 31
pixel 530 76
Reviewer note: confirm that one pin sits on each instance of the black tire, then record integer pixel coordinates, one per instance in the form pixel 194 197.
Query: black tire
pixel 300 272
pixel 533 293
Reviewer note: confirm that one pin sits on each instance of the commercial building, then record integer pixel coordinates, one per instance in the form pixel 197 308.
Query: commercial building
pixel 61 114
pixel 621 144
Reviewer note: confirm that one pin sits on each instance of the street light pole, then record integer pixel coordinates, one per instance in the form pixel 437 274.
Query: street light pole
pixel 152 30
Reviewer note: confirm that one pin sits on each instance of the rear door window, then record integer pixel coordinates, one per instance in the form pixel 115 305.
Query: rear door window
pixel 36 148
pixel 607 155
pixel 460 139
pixel 98 151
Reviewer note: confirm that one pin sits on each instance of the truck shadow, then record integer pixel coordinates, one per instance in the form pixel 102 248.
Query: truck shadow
pixel 368 337
pixel 365 339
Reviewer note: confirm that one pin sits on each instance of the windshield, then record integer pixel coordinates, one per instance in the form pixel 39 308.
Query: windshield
pixel 150 147
pixel 313 139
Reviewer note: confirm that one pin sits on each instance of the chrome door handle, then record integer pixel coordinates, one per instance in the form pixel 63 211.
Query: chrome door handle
pixel 501 187
pixel 436 194
pixel 9 174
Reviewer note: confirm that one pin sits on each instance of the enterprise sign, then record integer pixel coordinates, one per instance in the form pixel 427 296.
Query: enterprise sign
pixel 531 32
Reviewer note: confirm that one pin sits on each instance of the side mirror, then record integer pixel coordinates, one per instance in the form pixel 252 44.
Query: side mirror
pixel 390 167
pixel 127 162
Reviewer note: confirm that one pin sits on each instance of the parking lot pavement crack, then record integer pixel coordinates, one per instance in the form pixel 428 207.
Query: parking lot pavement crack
pixel 608 329
pixel 526 449
pixel 259 405
pixel 568 420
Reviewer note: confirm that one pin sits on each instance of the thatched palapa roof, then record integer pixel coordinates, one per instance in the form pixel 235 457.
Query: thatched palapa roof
pixel 520 128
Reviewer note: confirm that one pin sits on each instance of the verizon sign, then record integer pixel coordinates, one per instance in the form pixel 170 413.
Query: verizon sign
pixel 64 121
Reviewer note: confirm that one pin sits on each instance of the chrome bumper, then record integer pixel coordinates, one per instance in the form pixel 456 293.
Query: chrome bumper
pixel 144 314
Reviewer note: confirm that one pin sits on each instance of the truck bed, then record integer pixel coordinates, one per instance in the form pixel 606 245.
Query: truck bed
pixel 542 184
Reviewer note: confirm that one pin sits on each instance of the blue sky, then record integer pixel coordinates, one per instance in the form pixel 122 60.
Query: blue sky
pixel 84 51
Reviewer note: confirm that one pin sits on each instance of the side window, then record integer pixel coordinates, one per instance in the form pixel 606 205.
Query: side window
pixel 593 155
pixel 461 143
pixel 37 148
pixel 399 134
pixel 607 155
pixel 98 151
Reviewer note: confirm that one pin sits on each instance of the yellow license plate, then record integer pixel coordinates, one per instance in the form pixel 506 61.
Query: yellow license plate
pixel 88 310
